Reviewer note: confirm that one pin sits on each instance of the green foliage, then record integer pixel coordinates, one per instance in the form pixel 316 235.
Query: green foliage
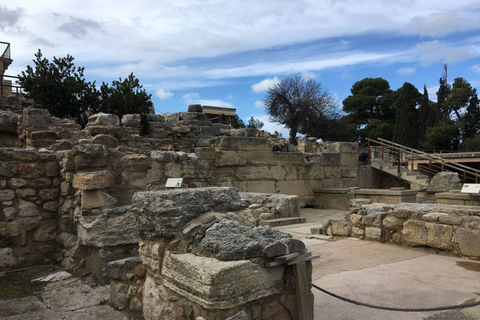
pixel 277 134
pixel 60 87
pixel 406 129
pixel 298 104
pixel 471 144
pixel 125 97
pixel 238 123
pixel 254 123
pixel 444 136
pixel 378 129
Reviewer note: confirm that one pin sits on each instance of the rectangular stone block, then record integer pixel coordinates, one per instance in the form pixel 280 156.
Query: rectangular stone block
pixel 329 159
pixel 349 160
pixel 205 153
pixel 468 241
pixel 290 158
pixel 252 173
pixel 261 186
pixel 333 172
pixel 31 170
pixel 93 180
pixel 243 144
pixel 349 172
pixel 414 233
pixel 230 158
pixel 261 158
pixel 277 173
pixel 439 236
pixel 296 187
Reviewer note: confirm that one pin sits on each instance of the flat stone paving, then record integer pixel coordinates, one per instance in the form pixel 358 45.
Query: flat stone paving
pixel 387 275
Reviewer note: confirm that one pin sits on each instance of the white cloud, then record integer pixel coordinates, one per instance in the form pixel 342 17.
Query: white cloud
pixel 406 71
pixel 164 94
pixel 435 51
pixel 231 96
pixel 265 84
pixel 213 103
pixel 476 68
pixel 259 104
pixel 191 96
pixel 435 24
pixel 309 75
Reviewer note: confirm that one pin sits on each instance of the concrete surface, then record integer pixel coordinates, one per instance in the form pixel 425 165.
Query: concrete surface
pixel 387 275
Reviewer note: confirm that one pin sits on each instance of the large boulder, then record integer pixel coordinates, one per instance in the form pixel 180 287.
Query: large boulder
pixel 445 181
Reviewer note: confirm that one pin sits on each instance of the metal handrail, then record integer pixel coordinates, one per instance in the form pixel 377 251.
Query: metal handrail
pixel 12 88
pixel 410 155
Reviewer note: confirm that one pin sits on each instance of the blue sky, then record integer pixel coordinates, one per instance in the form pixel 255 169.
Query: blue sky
pixel 226 53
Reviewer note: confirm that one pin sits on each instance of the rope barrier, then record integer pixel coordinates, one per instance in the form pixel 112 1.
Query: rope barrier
pixel 458 306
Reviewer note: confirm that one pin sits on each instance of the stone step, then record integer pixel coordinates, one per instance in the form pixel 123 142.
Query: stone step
pixel 283 221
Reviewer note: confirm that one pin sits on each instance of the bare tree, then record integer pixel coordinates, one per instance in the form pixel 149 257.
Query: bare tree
pixel 300 104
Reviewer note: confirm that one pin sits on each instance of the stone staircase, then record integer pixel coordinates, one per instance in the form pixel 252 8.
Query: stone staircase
pixel 405 174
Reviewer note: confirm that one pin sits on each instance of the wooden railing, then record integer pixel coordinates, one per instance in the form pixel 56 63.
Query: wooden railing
pixel 412 159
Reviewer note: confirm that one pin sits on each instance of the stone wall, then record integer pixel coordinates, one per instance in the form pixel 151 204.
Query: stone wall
pixel 29 199
pixel 454 229
pixel 202 262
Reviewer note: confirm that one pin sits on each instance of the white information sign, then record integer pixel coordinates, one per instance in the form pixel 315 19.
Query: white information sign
pixel 174 183
pixel 471 188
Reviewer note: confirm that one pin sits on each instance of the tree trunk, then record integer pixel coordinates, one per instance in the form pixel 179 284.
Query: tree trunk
pixel 293 135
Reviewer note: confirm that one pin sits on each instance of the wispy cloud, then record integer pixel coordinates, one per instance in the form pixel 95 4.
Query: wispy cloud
pixel 435 51
pixel 191 96
pixel 164 94
pixel 264 85
pixel 476 68
pixel 406 71
pixel 259 104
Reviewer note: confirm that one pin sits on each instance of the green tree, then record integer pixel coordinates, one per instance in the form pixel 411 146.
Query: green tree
pixel 406 128
pixel 378 129
pixel 444 136
pixel 125 97
pixel 238 123
pixel 443 111
pixel 297 102
pixel 254 123
pixel 60 87
pixel 427 114
pixel 371 99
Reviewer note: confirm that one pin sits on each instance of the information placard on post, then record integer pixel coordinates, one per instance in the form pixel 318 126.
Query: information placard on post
pixel 174 183
pixel 471 188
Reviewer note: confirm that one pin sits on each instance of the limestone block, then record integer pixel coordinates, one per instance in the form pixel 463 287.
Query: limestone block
pixel 472 222
pixel 8 121
pixel 27 209
pixel 199 169
pixel 114 227
pixel 49 194
pixel 205 153
pixel 402 213
pixel 451 220
pixel 218 284
pixel 98 259
pixel 97 199
pixel 242 144
pixel 131 120
pixel 36 118
pixel 314 172
pixel 17 183
pixel 173 170
pixel 6 195
pixel 294 187
pixel 90 156
pixel 393 223
pixel 260 186
pixel 230 158
pixel 290 158
pixel 7 259
pixel 46 231
pixel 151 253
pixel 31 170
pixel 25 154
pixel 329 159
pixel 164 213
pixel 252 173
pixel 291 172
pixel 341 227
pixel 373 233
pixel 349 172
pixel 103 119
pixel 333 172
pixel 374 219
pixel 468 241
pixel 8 169
pixel 358 232
pixel 439 236
pixel 44 138
pixel 277 173
pixel 106 140
pixel 156 173
pixel 22 193
pixel 349 160
pixel 9 213
pixel 261 158
pixel 164 156
pixel 93 180
pixel 414 233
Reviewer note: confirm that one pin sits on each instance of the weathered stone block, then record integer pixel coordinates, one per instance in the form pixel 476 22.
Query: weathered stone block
pixel 439 236
pixel 230 158
pixel 349 160
pixel 114 227
pixel 373 233
pixel 131 120
pixel 451 220
pixel 252 173
pixel 261 158
pixel 106 140
pixel 27 209
pixel 97 199
pixel 220 284
pixel 472 222
pixel 104 119
pixel 136 162
pixel 468 241
pixel 329 159
pixel 164 213
pixel 341 227
pixel 393 223
pixel 17 183
pixel 415 233
pixel 333 172
pixel 260 187
pixel 7 259
pixel 49 194
pixel 205 153
pixel 93 180
pixel 46 231
pixel 242 144
pixel 25 154
pixel 31 170
pixel 90 156
pixel 22 193
pixel 8 121
pixel 8 169
pixel 6 195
